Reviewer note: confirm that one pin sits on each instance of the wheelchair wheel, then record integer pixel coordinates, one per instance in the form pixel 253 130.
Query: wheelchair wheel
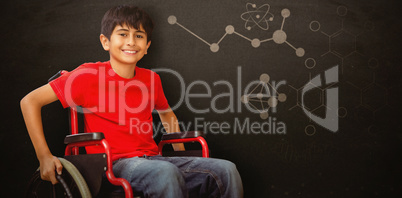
pixel 71 184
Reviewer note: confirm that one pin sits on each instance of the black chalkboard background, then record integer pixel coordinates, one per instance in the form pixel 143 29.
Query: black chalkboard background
pixel 299 158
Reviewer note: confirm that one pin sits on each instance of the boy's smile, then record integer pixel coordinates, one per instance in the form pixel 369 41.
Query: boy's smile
pixel 126 47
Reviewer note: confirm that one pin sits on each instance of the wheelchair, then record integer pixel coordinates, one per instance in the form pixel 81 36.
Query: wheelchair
pixel 91 175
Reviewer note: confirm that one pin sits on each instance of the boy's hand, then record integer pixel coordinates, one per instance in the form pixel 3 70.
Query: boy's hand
pixel 48 166
pixel 178 147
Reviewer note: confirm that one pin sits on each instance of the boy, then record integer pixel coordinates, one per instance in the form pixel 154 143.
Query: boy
pixel 118 98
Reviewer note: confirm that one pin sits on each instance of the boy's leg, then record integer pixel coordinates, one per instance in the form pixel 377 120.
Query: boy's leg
pixel 152 178
pixel 208 177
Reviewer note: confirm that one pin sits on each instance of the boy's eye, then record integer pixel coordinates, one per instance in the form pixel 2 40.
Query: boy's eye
pixel 140 36
pixel 122 34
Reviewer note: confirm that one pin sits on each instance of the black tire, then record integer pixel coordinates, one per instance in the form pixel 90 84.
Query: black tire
pixel 73 181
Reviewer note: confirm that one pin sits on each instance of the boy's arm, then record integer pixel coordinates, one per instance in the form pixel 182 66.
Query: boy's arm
pixel 171 125
pixel 31 106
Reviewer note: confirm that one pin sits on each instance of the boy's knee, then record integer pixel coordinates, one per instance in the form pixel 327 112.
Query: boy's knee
pixel 228 171
pixel 225 165
pixel 168 179
pixel 166 170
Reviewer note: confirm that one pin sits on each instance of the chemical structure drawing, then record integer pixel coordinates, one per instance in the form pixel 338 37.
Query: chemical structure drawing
pixel 253 18
pixel 342 43
pixel 373 97
pixel 264 96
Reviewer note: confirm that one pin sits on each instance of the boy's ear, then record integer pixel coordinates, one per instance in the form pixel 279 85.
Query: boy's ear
pixel 149 44
pixel 105 42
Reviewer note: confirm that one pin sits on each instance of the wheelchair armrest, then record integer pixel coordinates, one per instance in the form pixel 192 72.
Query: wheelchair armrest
pixel 182 135
pixel 83 137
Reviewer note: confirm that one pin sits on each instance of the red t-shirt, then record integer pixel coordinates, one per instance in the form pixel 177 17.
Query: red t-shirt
pixel 120 108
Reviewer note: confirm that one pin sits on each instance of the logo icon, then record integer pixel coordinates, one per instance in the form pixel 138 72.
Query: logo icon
pixel 330 121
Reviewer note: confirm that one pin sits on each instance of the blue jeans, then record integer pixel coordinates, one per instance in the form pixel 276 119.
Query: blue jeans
pixel 157 176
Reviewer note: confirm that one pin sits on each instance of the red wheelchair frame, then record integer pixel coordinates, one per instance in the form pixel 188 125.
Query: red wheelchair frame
pixel 76 140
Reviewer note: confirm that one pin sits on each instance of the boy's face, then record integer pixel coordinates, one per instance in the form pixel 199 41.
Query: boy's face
pixel 126 46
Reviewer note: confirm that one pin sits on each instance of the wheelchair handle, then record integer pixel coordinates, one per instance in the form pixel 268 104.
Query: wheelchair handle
pixel 58 74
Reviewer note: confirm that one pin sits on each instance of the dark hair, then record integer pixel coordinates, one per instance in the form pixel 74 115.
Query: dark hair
pixel 131 16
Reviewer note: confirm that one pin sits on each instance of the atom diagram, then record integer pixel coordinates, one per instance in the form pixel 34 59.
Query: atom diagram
pixel 257 16
pixel 263 97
